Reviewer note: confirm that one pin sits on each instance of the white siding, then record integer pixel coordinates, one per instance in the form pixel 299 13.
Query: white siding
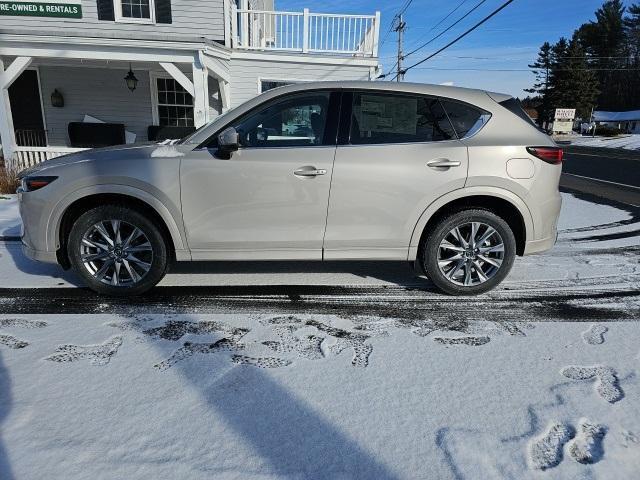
pixel 98 92
pixel 246 75
pixel 192 18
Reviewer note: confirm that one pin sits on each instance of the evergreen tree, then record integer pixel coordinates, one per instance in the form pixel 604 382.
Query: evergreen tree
pixel 542 69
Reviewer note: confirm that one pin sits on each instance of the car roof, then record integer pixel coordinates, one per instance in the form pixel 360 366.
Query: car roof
pixel 470 95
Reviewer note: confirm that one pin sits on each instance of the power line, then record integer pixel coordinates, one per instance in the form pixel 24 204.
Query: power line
pixel 402 10
pixel 446 29
pixel 431 29
pixel 460 37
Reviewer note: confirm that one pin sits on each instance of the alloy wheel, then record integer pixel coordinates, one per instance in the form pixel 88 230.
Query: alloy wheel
pixel 471 254
pixel 116 253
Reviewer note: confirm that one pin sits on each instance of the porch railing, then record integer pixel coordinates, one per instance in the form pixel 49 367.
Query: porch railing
pixel 25 157
pixel 31 138
pixel 305 32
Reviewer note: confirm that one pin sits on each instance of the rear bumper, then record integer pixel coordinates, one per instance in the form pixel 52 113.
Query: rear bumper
pixel 539 246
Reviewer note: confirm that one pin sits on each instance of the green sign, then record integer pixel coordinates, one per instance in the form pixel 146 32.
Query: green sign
pixel 41 9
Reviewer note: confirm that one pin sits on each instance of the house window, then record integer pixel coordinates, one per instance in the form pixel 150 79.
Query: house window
pixel 135 11
pixel 175 104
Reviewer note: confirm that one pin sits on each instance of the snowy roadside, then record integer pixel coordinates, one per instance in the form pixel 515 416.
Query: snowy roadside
pixel 9 216
pixel 627 142
pixel 333 394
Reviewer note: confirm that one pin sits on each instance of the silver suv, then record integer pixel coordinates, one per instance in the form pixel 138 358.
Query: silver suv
pixel 457 181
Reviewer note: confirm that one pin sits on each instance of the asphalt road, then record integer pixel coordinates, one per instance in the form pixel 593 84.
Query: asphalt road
pixel 610 174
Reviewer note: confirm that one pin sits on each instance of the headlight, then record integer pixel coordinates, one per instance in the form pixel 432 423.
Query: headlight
pixel 29 184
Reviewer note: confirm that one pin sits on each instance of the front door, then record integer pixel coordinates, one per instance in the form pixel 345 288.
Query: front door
pixel 26 109
pixel 269 199
pixel 398 154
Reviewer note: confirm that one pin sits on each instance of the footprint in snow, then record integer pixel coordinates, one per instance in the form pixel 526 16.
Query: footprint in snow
pixel 96 354
pixel 22 323
pixel 470 341
pixel 308 346
pixel 189 349
pixel 546 451
pixel 12 342
pixel 595 334
pixel 261 362
pixel 606 380
pixel 586 447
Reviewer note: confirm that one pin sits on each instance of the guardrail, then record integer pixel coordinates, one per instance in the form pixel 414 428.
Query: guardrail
pixel 306 32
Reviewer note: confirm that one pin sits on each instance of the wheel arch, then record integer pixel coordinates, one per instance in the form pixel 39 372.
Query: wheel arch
pixel 83 200
pixel 503 203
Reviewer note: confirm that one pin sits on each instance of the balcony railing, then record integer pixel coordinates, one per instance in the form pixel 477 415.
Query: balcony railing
pixel 305 32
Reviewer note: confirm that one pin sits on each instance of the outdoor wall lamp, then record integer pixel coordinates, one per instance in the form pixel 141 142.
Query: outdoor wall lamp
pixel 57 100
pixel 132 81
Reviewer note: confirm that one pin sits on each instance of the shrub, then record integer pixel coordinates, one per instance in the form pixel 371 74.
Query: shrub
pixel 605 131
pixel 8 180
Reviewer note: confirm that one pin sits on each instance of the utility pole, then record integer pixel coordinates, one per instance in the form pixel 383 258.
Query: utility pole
pixel 400 28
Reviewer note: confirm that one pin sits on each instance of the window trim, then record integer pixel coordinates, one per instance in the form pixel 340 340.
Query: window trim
pixel 344 136
pixel 331 128
pixel 467 104
pixel 117 7
pixel 155 103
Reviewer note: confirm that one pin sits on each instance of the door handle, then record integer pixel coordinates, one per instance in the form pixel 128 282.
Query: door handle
pixel 443 163
pixel 309 171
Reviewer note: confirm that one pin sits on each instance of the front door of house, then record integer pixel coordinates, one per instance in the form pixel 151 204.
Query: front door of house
pixel 26 108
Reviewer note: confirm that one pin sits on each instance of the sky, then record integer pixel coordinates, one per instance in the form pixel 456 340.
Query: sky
pixel 492 57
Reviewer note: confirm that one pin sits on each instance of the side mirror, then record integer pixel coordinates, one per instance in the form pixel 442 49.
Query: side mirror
pixel 228 140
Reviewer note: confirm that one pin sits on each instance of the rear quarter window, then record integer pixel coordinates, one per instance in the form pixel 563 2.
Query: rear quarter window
pixel 466 119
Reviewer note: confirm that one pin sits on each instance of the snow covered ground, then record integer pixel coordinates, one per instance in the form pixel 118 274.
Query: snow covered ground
pixel 629 142
pixel 538 379
pixel 9 216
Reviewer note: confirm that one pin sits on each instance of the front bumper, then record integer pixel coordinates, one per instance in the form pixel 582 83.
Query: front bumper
pixel 39 255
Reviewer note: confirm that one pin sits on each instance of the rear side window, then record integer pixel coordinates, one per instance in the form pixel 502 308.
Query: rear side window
pixel 515 107
pixel 466 119
pixel 379 118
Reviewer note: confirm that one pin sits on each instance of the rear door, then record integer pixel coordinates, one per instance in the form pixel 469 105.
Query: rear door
pixel 397 153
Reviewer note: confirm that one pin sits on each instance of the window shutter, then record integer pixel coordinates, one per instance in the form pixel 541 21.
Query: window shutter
pixel 163 11
pixel 105 10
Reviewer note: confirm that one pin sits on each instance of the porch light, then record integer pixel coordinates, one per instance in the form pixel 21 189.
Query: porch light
pixel 132 81
pixel 57 100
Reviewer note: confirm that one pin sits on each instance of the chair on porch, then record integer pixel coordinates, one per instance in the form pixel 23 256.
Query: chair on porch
pixel 164 132
pixel 95 135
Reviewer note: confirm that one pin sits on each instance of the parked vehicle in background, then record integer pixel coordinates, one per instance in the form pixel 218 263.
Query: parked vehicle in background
pixel 458 181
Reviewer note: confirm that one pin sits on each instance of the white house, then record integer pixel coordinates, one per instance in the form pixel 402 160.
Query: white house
pixel 627 121
pixel 84 73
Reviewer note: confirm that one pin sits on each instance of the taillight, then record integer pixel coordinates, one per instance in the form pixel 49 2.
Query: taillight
pixel 29 184
pixel 552 155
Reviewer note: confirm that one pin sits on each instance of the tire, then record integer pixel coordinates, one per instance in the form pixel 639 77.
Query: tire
pixel 113 266
pixel 439 260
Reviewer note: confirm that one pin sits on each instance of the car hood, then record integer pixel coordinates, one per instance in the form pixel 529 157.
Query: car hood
pixel 132 152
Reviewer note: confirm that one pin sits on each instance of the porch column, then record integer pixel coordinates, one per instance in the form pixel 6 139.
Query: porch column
pixel 201 113
pixel 7 133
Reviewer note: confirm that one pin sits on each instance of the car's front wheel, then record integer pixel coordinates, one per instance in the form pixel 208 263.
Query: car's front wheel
pixel 117 251
pixel 468 252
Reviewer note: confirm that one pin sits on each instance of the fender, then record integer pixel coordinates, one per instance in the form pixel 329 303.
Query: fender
pixel 176 230
pixel 503 194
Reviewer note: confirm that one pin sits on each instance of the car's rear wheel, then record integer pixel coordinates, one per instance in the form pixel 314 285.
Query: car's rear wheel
pixel 468 252
pixel 117 251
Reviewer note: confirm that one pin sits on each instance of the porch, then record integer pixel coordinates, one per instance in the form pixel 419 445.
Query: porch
pixel 56 100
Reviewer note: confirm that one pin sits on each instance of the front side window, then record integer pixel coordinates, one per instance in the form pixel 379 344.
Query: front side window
pixel 297 121
pixel 175 104
pixel 135 10
pixel 379 118
pixel 466 119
